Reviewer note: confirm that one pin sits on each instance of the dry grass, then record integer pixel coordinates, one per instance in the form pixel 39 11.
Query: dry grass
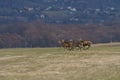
pixel 99 63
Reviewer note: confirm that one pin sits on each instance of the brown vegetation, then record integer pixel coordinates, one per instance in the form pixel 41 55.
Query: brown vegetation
pixel 40 34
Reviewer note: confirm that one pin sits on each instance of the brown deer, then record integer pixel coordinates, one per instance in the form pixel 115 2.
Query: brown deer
pixel 69 45
pixel 64 44
pixel 86 44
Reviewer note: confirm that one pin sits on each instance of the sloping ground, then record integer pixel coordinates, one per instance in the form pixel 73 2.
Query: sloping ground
pixel 98 63
pixel 108 44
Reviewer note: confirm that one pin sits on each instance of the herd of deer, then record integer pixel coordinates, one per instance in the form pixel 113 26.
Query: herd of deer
pixel 72 44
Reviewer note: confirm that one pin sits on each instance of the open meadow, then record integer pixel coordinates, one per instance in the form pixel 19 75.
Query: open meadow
pixel 100 62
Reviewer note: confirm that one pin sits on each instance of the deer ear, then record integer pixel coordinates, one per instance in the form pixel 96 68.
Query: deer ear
pixel 62 40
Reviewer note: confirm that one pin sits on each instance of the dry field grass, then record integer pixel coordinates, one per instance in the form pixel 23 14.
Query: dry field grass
pixel 100 62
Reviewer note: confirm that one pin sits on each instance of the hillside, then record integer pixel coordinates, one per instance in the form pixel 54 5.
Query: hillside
pixel 41 23
pixel 60 11
pixel 40 34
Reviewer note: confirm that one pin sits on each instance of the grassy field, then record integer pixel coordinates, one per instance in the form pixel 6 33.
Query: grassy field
pixel 100 62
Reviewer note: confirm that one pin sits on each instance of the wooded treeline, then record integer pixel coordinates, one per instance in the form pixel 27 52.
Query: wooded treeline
pixel 40 34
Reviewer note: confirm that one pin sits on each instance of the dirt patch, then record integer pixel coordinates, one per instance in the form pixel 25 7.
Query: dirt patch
pixel 10 57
